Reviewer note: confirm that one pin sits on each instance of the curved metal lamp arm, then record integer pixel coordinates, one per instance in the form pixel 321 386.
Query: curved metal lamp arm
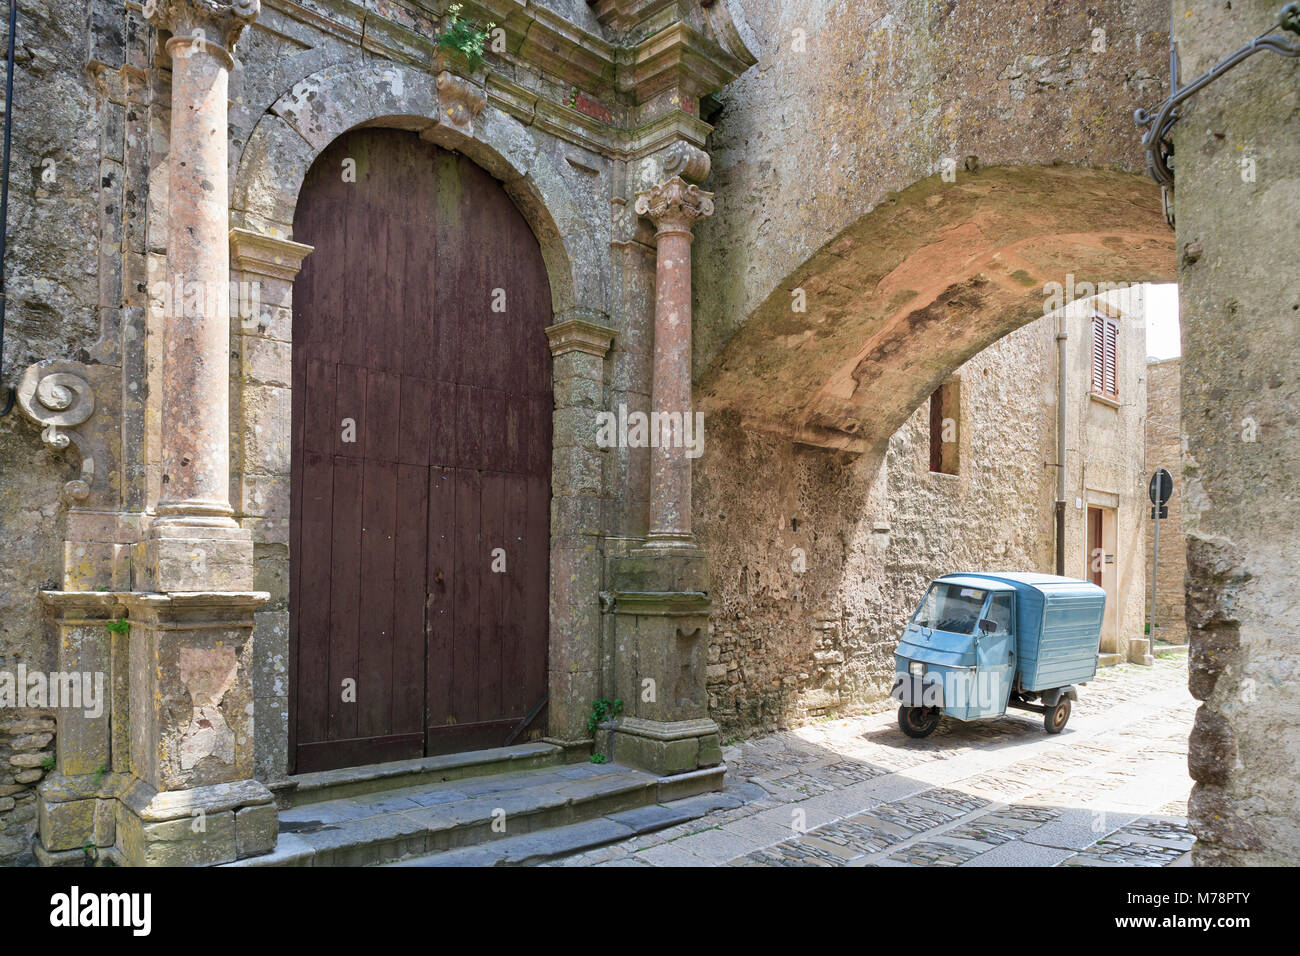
pixel 1159 121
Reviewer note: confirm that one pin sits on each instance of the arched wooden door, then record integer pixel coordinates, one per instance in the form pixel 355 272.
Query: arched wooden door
pixel 419 561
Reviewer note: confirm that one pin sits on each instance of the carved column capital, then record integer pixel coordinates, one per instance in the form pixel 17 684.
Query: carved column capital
pixel 675 205
pixel 217 22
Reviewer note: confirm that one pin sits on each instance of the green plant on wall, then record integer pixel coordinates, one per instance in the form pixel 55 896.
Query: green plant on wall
pixel 602 710
pixel 119 627
pixel 464 36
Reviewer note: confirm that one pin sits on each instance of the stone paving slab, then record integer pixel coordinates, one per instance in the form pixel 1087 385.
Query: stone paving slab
pixel 1110 791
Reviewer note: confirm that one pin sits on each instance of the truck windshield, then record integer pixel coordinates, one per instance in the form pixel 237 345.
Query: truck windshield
pixel 950 607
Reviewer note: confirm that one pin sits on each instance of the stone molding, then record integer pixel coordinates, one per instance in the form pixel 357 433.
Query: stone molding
pixel 579 335
pixel 675 205
pixel 662 603
pixel 270 256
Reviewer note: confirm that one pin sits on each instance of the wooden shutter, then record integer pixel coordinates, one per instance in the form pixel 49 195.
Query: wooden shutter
pixel 1105 356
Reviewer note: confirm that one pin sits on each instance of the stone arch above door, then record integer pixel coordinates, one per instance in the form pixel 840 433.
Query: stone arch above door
pixel 266 181
pixel 447 110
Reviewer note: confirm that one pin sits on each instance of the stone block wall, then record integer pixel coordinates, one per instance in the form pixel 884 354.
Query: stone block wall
pixel 26 747
pixel 1165 450
pixel 791 645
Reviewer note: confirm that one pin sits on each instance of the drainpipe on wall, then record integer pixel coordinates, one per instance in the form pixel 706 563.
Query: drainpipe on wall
pixel 1061 338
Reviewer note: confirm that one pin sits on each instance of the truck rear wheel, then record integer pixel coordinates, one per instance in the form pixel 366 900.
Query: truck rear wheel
pixel 918 721
pixel 1055 719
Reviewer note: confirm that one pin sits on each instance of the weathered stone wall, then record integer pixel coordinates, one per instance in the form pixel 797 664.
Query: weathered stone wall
pixel 873 96
pixel 1239 299
pixel 1165 450
pixel 26 754
pixel 53 298
pixel 789 645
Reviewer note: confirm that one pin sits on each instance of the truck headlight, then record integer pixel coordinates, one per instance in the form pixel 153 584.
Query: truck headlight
pixel 916 668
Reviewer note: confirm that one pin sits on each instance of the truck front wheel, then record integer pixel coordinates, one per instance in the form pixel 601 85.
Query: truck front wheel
pixel 1054 720
pixel 918 721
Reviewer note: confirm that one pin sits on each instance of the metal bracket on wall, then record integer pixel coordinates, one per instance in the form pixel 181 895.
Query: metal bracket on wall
pixel 1159 121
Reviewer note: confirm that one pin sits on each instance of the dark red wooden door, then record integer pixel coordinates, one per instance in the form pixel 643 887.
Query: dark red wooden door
pixel 419 561
pixel 1096 551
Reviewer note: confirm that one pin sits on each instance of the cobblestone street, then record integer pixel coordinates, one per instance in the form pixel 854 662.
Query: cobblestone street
pixel 1111 790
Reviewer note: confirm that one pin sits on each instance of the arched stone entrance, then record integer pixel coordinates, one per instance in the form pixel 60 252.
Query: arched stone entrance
pixel 448 112
pixel 421 459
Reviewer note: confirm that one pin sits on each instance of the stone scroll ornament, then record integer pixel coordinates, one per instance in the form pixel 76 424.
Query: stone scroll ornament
pixel 683 159
pixel 218 21
pixel 59 400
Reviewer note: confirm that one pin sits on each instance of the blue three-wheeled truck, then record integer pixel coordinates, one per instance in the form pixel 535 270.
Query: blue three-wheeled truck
pixel 980 643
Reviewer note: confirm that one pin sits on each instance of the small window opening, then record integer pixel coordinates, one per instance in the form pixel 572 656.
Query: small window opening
pixel 945 428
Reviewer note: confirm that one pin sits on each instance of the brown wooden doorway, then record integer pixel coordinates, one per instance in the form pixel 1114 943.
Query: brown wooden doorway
pixel 1096 547
pixel 421 458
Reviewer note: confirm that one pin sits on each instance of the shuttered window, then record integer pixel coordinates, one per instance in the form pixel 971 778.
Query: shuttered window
pixel 1105 349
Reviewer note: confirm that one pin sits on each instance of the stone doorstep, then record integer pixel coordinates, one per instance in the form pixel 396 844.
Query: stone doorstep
pixel 456 815
pixel 324 785
pixel 533 848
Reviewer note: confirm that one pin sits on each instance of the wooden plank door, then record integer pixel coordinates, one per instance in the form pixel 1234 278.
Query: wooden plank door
pixel 1096 548
pixel 421 458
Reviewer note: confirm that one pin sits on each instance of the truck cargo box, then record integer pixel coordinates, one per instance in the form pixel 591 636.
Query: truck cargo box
pixel 1058 628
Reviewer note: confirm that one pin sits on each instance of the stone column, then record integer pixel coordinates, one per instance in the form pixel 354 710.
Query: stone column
pixel 673 206
pixel 579 345
pixel 661 601
pixel 195 543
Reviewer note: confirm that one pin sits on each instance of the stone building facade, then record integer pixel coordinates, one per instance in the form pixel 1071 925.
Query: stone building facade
pixel 707 193
pixel 1164 449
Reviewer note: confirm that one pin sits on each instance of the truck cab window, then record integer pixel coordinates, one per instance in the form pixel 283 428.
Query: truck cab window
pixel 1000 611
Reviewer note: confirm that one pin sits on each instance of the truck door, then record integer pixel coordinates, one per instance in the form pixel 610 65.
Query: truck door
pixel 995 657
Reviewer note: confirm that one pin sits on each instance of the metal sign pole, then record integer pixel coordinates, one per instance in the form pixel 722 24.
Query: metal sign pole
pixel 1155 565
pixel 1159 490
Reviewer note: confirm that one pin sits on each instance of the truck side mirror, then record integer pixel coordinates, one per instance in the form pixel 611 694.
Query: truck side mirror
pixel 988 626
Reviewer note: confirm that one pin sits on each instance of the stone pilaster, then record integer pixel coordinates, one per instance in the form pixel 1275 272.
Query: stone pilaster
pixel 191 799
pixel 195 543
pixel 76 804
pixel 673 206
pixel 661 606
pixel 263 269
pixel 579 346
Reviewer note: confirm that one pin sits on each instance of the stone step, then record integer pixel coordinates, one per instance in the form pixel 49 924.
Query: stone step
pixel 1169 650
pixel 1109 660
pixel 404 822
pixel 325 785
pixel 531 849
